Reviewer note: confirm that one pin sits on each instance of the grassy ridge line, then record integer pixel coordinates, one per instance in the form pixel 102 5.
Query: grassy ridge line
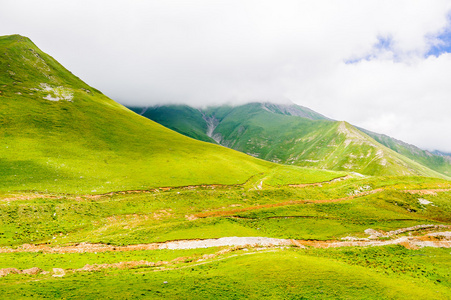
pixel 389 157
pixel 89 144
pixel 433 161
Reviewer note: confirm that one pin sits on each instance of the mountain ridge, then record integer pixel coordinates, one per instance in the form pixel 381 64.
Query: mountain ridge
pixel 262 129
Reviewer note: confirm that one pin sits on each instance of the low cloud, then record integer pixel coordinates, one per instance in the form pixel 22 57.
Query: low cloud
pixel 366 62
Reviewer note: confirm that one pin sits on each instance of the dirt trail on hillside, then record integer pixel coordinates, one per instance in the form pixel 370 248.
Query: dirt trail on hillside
pixel 30 196
pixel 224 213
pixel 173 245
pixel 188 262
pixel 303 185
pixel 435 237
pixel 231 212
pixel 15 197
pixel 443 240
pixel 440 239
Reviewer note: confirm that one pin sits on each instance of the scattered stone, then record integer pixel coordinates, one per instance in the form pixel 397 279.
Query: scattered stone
pixel 7 271
pixel 360 190
pixel 60 93
pixel 374 234
pixel 424 201
pixel 32 271
pixel 58 272
pixel 445 234
pixel 353 238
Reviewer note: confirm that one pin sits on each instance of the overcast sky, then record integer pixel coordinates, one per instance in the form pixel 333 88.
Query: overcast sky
pixel 381 65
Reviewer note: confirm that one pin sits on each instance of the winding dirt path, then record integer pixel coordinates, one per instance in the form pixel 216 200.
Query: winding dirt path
pixel 231 212
pixel 188 262
pixel 321 183
pixel 225 213
pixel 438 239
pixel 173 245
pixel 434 237
pixel 442 240
pixel 30 196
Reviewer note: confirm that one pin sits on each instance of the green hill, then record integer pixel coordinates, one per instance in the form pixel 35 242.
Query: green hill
pixel 294 135
pixel 440 162
pixel 59 134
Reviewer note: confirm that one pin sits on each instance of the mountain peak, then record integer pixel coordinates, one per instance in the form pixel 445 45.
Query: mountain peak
pixel 15 37
pixel 292 109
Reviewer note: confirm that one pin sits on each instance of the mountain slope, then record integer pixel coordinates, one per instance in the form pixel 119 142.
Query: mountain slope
pixel 273 133
pixel 180 118
pixel 58 134
pixel 435 161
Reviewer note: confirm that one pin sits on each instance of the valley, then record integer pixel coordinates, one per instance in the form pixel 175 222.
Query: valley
pixel 99 201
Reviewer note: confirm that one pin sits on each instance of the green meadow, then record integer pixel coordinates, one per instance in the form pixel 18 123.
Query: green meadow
pixel 272 273
pixel 77 168
pixel 206 212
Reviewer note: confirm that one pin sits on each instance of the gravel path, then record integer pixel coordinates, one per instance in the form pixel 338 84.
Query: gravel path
pixel 436 236
pixel 173 245
pixel 410 242
pixel 226 241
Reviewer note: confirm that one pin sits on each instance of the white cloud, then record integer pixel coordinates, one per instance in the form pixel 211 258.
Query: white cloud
pixel 201 52
pixel 410 101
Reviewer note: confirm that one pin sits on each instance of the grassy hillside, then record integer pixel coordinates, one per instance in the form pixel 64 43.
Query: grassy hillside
pixel 60 135
pixel 64 145
pixel 181 118
pixel 312 213
pixel 248 274
pixel 435 161
pixel 254 209
pixel 283 134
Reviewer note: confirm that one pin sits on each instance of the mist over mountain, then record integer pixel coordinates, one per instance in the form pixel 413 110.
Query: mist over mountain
pixel 60 134
pixel 296 135
pixel 387 73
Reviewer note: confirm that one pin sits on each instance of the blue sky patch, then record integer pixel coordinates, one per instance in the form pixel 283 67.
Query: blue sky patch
pixel 444 46
pixel 384 43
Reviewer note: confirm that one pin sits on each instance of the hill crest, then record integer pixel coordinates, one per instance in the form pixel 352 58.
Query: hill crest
pixel 62 135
